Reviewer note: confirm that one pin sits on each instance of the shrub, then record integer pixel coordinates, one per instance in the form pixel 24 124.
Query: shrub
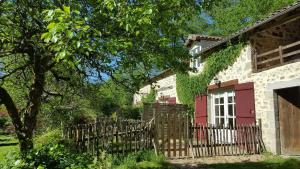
pixel 3 121
pixel 51 156
pixel 53 136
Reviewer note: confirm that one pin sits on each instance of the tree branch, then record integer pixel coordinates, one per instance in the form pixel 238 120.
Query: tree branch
pixel 14 71
pixel 52 93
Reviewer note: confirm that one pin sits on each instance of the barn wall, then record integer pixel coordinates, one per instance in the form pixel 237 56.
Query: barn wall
pixel 264 96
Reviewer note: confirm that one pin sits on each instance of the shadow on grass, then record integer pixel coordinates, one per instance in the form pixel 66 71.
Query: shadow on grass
pixel 268 164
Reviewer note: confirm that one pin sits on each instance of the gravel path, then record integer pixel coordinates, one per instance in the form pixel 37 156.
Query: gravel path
pixel 203 163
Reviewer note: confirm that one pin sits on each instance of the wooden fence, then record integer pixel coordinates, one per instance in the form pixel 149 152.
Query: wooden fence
pixel 113 136
pixel 209 140
pixel 171 134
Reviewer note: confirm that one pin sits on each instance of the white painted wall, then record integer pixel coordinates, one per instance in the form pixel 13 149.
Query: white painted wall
pixel 163 87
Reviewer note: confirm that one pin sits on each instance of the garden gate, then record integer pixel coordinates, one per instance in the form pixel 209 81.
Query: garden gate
pixel 171 128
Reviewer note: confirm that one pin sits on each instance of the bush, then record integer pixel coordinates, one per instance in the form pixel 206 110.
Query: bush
pixel 53 136
pixel 3 121
pixel 130 112
pixel 51 156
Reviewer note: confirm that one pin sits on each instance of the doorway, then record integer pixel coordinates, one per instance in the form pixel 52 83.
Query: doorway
pixel 289 120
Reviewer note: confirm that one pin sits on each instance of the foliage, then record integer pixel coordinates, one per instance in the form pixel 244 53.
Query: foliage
pixel 188 86
pixel 48 46
pixel 3 121
pixel 131 112
pixel 139 160
pixel 53 137
pixel 58 156
pixel 54 156
pixel 228 16
pixel 150 97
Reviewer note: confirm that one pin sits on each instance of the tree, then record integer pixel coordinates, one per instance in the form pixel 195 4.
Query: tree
pixel 225 17
pixel 44 43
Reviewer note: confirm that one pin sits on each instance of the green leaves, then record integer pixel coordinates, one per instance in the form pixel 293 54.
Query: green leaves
pixel 188 86
pixel 230 16
pixel 67 9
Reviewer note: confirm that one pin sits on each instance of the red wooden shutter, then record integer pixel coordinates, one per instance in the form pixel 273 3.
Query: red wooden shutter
pixel 245 108
pixel 201 109
pixel 172 100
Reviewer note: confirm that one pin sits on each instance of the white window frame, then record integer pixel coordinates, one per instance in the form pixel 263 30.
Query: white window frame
pixel 226 116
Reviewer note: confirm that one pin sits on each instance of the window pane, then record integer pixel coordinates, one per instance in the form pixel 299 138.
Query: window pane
pixel 221 110
pixel 222 122
pixel 217 121
pixel 216 100
pixel 217 110
pixel 230 110
pixel 229 99
pixel 222 100
pixel 230 122
pixel 233 106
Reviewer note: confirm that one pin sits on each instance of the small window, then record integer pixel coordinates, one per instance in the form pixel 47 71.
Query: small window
pixel 198 62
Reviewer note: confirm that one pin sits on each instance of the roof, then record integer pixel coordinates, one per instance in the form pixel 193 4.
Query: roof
pixel 197 37
pixel 248 29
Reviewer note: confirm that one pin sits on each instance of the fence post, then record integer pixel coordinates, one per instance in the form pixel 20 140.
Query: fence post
pixel 97 137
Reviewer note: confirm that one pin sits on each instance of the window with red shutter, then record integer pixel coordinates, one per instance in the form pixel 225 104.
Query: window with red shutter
pixel 245 108
pixel 201 109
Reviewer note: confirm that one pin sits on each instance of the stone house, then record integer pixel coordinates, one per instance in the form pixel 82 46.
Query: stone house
pixel 262 85
pixel 164 83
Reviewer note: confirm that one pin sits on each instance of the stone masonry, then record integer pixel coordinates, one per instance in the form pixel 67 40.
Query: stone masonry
pixel 264 96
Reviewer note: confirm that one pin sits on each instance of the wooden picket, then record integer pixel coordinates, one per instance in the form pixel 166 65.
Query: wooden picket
pixel 169 132
pixel 113 136
pixel 210 140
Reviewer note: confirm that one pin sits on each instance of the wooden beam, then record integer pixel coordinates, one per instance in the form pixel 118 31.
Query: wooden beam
pixel 223 85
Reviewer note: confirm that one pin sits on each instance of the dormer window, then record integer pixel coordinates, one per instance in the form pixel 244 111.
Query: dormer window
pixel 196 63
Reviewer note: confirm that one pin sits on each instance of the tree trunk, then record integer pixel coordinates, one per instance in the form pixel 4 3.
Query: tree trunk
pixel 25 141
pixel 25 144
pixel 25 130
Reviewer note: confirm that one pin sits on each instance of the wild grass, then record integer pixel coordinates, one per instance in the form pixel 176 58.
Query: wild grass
pixel 270 162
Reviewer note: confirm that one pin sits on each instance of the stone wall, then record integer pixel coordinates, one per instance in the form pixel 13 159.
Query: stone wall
pixel 264 94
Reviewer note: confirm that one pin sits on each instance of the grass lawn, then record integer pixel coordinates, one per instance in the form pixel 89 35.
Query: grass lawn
pixel 270 162
pixel 266 161
pixel 7 144
pixel 4 150
pixel 7 140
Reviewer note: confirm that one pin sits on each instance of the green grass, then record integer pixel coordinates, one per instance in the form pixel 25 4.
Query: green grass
pixel 141 160
pixel 4 150
pixel 6 140
pixel 271 162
